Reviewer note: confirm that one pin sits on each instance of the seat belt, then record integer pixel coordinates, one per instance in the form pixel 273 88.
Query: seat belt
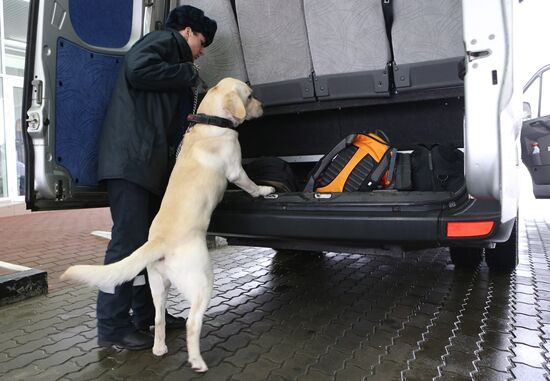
pixel 234 7
pixel 387 10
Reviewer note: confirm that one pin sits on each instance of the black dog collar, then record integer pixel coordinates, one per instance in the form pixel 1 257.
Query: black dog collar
pixel 212 120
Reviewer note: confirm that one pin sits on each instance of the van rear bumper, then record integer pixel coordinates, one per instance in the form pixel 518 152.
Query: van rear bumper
pixel 360 228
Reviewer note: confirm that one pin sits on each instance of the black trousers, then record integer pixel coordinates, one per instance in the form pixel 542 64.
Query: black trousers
pixel 132 210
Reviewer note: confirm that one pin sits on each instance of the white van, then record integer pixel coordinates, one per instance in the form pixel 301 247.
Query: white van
pixel 441 72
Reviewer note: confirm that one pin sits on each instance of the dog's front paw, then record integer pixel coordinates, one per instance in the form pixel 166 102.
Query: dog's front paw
pixel 265 190
pixel 160 350
pixel 198 364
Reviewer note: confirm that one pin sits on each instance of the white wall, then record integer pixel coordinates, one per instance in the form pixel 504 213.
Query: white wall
pixel 533 28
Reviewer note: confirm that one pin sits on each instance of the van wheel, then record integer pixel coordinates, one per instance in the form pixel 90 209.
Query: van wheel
pixel 504 257
pixel 466 257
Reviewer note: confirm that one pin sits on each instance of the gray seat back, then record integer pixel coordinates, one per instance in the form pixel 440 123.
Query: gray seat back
pixel 276 50
pixel 349 48
pixel 428 43
pixel 224 57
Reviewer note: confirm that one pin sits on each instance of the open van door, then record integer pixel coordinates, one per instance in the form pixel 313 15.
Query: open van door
pixel 75 50
pixel 535 132
pixel 493 104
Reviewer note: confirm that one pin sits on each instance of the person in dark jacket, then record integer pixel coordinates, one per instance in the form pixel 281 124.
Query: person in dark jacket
pixel 145 119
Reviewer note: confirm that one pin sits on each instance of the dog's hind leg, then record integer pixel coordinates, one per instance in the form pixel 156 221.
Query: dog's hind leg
pixel 193 277
pixel 159 290
pixel 194 325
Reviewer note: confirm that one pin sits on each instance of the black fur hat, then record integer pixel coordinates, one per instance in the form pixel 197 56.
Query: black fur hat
pixel 187 16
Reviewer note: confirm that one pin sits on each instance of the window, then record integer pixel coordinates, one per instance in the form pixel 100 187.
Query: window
pixel 531 96
pixel 3 149
pixel 16 14
pixel 15 28
pixel 19 145
pixel 15 60
pixel 12 55
pixel 545 98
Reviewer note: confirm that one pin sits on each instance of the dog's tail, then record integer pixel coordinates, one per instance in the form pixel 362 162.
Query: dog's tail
pixel 115 273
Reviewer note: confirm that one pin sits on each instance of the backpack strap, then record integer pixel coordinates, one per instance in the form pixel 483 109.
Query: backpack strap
pixel 391 169
pixel 372 181
pixel 326 160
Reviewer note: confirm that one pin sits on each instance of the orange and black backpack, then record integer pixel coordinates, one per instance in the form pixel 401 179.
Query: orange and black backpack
pixel 360 162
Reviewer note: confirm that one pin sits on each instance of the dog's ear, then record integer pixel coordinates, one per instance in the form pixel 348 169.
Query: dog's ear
pixel 233 104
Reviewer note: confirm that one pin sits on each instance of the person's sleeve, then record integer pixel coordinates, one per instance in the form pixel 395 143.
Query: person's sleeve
pixel 147 66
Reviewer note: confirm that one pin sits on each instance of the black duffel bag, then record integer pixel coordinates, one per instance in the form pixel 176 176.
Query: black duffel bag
pixel 272 171
pixel 439 167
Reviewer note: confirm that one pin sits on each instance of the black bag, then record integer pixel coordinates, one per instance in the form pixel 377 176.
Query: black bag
pixel 439 167
pixel 272 171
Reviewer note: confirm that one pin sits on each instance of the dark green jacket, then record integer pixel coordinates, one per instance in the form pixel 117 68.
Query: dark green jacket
pixel 149 103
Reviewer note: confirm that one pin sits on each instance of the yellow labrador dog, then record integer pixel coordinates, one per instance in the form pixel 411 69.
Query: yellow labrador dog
pixel 176 251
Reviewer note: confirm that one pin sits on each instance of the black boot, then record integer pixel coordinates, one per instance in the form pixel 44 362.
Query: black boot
pixel 172 322
pixel 133 341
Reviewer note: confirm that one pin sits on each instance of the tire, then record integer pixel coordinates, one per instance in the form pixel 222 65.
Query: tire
pixel 466 257
pixel 504 257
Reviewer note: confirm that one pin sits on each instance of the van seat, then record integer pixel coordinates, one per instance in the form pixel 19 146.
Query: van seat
pixel 276 50
pixel 428 43
pixel 349 48
pixel 224 57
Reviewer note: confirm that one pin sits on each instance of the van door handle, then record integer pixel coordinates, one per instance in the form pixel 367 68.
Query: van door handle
pixel 472 56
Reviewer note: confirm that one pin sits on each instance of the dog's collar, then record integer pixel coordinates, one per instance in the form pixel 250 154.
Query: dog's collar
pixel 208 119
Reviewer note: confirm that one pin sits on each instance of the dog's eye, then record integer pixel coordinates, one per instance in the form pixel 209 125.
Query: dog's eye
pixel 250 96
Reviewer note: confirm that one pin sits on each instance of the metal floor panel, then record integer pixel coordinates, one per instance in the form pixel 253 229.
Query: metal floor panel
pixel 331 316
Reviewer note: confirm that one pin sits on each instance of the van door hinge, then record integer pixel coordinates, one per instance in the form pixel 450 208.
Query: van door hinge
pixel 478 54
pixel 37 89
pixel 33 121
pixel 59 191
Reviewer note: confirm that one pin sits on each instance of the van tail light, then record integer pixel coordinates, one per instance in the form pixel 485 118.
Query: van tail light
pixel 469 229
